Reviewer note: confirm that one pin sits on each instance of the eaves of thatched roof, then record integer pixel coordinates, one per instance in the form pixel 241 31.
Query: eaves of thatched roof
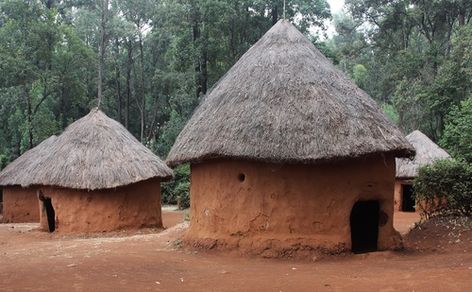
pixel 427 152
pixel 19 171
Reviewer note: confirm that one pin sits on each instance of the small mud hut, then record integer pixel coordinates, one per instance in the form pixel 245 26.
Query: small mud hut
pixel 20 204
pixel 288 154
pixel 427 152
pixel 98 177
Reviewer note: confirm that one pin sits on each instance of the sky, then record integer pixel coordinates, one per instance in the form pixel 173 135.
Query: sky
pixel 336 6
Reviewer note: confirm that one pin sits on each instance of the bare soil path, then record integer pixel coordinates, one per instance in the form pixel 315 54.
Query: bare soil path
pixel 35 261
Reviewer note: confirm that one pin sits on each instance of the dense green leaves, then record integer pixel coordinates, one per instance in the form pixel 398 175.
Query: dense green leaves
pixel 445 188
pixel 457 136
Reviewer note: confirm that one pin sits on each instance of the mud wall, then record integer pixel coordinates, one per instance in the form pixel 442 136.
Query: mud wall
pixel 398 195
pixel 261 206
pixel 20 205
pixel 130 207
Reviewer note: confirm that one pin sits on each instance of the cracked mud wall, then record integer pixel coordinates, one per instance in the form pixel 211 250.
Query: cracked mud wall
pixel 129 207
pixel 261 206
pixel 20 205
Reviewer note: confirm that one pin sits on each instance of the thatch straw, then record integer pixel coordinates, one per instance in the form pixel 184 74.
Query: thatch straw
pixel 19 171
pixel 283 101
pixel 96 152
pixel 426 153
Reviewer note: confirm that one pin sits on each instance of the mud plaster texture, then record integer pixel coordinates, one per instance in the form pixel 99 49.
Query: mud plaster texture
pixel 20 205
pixel 277 210
pixel 130 207
pixel 398 198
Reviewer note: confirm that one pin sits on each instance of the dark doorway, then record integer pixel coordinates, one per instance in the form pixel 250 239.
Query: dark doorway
pixel 50 213
pixel 408 199
pixel 364 226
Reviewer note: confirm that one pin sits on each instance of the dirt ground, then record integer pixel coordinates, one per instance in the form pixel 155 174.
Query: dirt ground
pixel 150 261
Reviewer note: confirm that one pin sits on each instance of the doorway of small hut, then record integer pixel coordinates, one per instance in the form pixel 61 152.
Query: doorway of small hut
pixel 364 226
pixel 50 214
pixel 408 199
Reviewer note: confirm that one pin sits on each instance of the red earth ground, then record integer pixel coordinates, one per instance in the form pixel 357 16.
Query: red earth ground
pixel 149 260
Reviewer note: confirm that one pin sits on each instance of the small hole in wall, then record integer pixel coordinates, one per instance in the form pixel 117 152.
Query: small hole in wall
pixel 383 218
pixel 241 177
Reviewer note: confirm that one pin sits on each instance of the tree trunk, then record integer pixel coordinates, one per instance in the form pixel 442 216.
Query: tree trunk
pixel 118 79
pixel 128 80
pixel 196 38
pixel 275 14
pixel 104 12
pixel 29 113
pixel 143 89
pixel 204 62
pixel 49 4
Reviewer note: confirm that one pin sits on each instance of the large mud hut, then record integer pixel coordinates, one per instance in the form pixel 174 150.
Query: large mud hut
pixel 427 152
pixel 288 154
pixel 97 177
pixel 20 204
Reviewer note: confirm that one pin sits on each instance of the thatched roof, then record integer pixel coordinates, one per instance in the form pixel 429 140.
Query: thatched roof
pixel 426 153
pixel 19 171
pixel 283 101
pixel 96 152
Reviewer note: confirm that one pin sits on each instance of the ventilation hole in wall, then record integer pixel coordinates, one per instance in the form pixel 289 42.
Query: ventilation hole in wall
pixel 241 177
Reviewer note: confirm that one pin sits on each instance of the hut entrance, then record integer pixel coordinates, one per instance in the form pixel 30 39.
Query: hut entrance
pixel 364 226
pixel 408 199
pixel 50 213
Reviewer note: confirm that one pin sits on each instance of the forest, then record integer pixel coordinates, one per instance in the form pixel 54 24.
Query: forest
pixel 148 63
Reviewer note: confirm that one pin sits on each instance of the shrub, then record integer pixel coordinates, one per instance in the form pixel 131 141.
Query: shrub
pixel 181 192
pixel 177 190
pixel 445 188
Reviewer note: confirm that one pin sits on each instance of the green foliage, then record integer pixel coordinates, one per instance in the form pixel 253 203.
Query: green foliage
pixel 457 138
pixel 417 55
pixel 170 131
pixel 182 193
pixel 390 111
pixel 359 74
pixel 177 191
pixel 445 188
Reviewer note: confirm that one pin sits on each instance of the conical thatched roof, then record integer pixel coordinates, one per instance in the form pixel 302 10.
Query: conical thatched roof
pixel 96 152
pixel 19 171
pixel 426 153
pixel 283 101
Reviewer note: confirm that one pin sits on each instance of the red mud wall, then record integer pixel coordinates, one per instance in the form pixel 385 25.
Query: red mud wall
pixel 130 207
pixel 281 206
pixel 398 195
pixel 20 205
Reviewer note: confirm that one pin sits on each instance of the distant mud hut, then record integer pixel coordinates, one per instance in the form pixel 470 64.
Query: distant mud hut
pixel 20 204
pixel 288 154
pixel 427 152
pixel 98 178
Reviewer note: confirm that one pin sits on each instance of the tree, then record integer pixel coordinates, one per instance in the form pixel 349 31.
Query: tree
pixel 457 138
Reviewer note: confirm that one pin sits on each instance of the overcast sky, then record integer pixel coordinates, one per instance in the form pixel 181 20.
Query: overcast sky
pixel 336 6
